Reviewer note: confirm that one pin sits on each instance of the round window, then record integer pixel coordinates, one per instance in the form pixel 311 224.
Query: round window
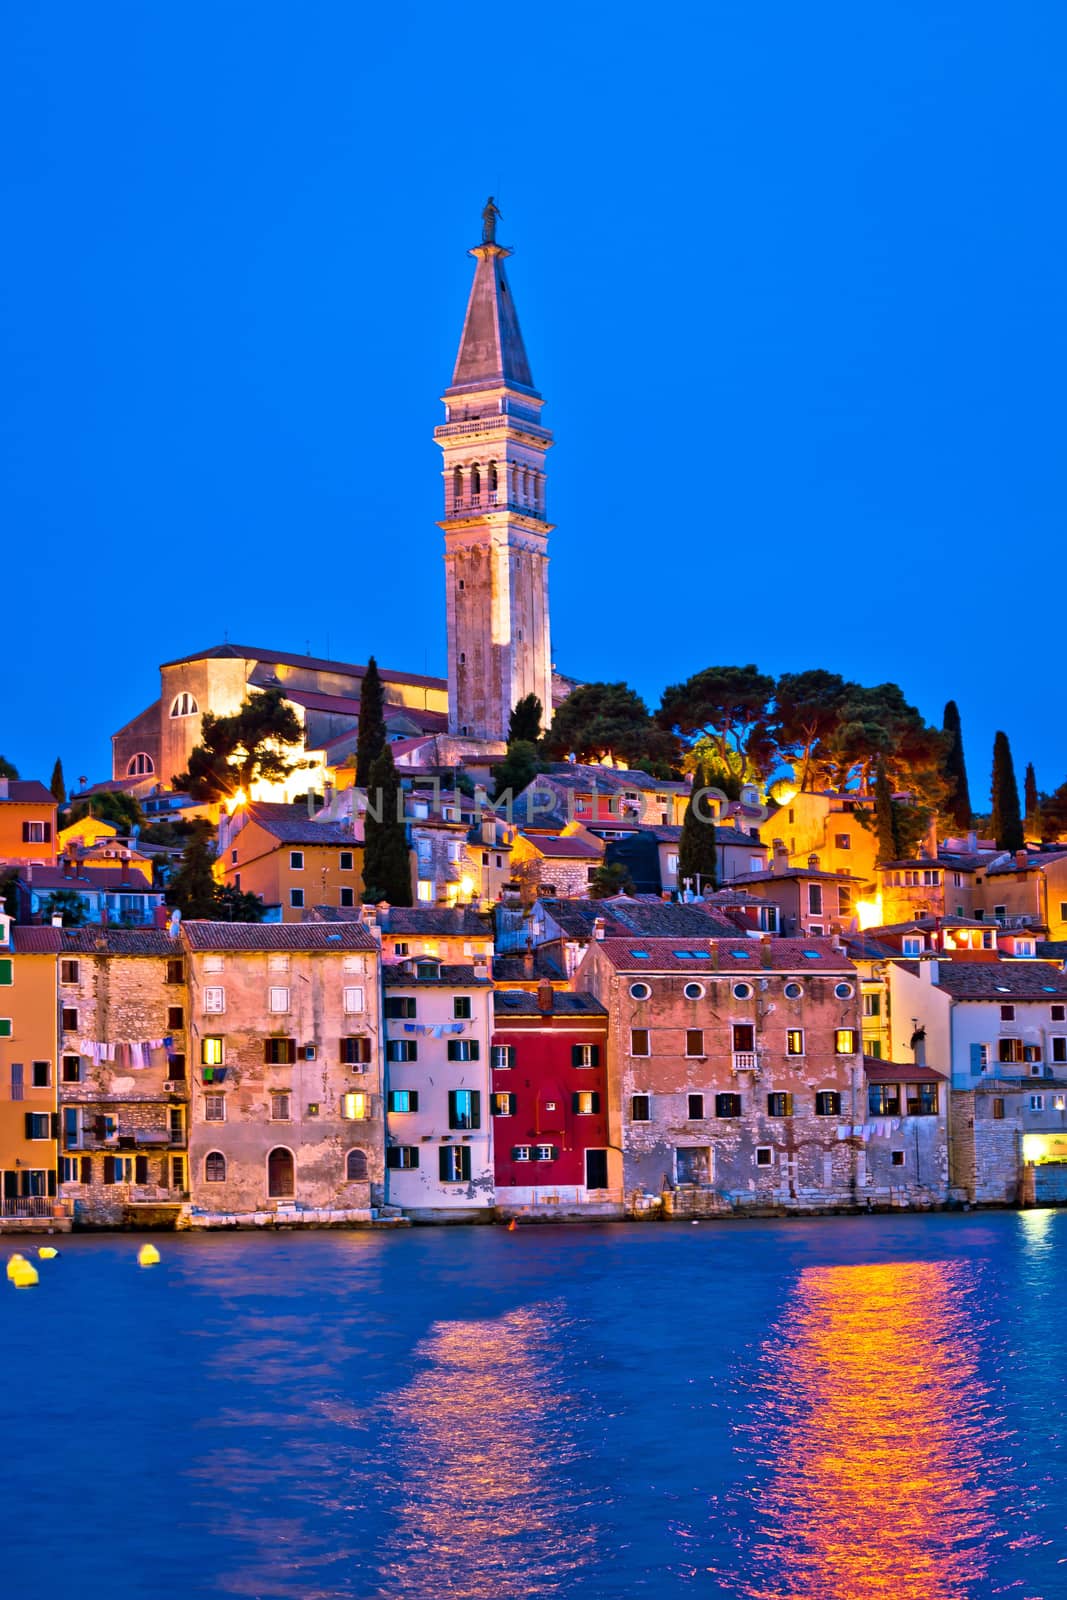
pixel 793 991
pixel 640 991
pixel 844 991
pixel 693 991
pixel 742 991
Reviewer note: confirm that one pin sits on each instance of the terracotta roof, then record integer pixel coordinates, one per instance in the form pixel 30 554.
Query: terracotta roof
pixel 456 922
pixel 310 832
pixel 876 1071
pixel 83 878
pixel 512 969
pixel 278 936
pixel 27 792
pixel 562 847
pixel 523 1003
pixel 118 942
pixel 1031 864
pixel 36 941
pixel 452 976
pixel 1002 980
pixel 348 669
pixel 733 956
pixel 569 775
pixel 785 873
pixel 623 915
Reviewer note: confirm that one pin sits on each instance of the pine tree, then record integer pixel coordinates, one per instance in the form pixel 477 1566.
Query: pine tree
pixel 57 786
pixel 885 819
pixel 192 889
pixel 524 725
pixel 697 856
pixel 958 801
pixel 1007 822
pixel 1031 799
pixel 386 861
pixel 371 738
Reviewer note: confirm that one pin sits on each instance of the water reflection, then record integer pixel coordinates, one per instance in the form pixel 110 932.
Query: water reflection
pixel 482 1443
pixel 877 1433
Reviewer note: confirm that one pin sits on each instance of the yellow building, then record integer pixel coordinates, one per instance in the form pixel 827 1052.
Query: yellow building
pixel 28 1055
pixel 27 822
pixel 826 825
pixel 289 860
pixel 87 831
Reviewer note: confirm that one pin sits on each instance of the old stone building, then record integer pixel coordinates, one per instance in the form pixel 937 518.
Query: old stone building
pixel 905 1154
pixel 123 1087
pixel 735 1071
pixel 285 1072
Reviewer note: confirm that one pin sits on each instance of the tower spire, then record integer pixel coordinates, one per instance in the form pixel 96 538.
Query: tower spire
pixel 491 348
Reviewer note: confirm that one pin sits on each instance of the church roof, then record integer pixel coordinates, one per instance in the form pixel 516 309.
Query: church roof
pixel 348 669
pixel 491 350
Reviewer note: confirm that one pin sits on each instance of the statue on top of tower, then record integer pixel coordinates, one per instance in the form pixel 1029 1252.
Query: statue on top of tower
pixel 489 216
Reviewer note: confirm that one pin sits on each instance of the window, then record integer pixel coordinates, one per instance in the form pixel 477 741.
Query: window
pixel 5 1027
pixel 883 1099
pixel 279 1052
pixel 694 1042
pixel 793 991
pixel 1059 1013
pixel 355 1106
pixel 211 1050
pixel 403 1100
pixel 355 1050
pixel 461 1007
pixel 281 1174
pixel 727 1105
pixel 399 1005
pixel 353 1001
pixel 280 1108
pixel 1058 1048
pixel 920 1099
pixel 742 991
pixel 1037 1102
pixel 214 998
pixel 794 1042
pixel 896 1158
pixel 503 1055
pixel 140 765
pixel 176 969
pixel 843 841
pixel 744 1037
pixel 845 1041
pixel 872 1005
pixel 585 1055
pixel 17 1088
pixel 463 1049
pixel 696 1107
pixel 214 1108
pixel 827 1103
pixel 183 705
pixel 347 897
pixel 36 832
pixel 585 1103
pixel 545 1152
pixel 356 1166
pixel 345 862
pixel 521 1152
pixel 72 1069
pixel 1007 1013
pixel 779 1105
pixel 998 1109
pixel 911 945
pixel 277 1000
pixel 118 1169
pixel 402 1157
pixel 424 892
pixel 843 991
pixel 214 1167
pixel 639 1042
pixel 454 1163
pixel 69 972
pixel 401 1050
pixel 639 991
pixel 41 1074
pixel 296 898
pixel 815 899
pixel 296 861
pixel 502 1104
pixel 640 1108
pixel 464 1108
pixel 764 1155
pixel 70 1019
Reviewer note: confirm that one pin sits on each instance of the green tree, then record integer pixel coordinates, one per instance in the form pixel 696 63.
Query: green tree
pixel 1007 818
pixel 610 878
pixel 885 820
pixel 1031 798
pixel 122 810
pixel 8 770
pixel 697 855
pixel 807 711
pixel 958 799
pixel 518 769
pixel 237 750
pixel 386 860
pixel 1052 814
pixel 599 722
pixel 524 724
pixel 192 889
pixel 371 738
pixel 731 709
pixel 68 905
pixel 57 785
pixel 234 905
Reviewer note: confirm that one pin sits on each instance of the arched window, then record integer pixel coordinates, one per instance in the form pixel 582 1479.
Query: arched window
pixel 457 486
pixel 492 477
pixel 356 1166
pixel 281 1174
pixel 214 1167
pixel 525 486
pixel 138 765
pixel 183 705
pixel 476 481
pixel 514 484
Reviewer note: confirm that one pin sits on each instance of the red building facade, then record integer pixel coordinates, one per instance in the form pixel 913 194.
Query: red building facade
pixel 549 1103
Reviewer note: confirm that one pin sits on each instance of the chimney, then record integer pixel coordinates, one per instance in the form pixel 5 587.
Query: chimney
pixel 545 997
pixel 600 928
pixel 972 843
pixel 68 867
pixel 779 858
pixel 918 1045
pixel 528 961
pixel 765 949
pixel 311 803
pixel 1022 859
pixel 369 916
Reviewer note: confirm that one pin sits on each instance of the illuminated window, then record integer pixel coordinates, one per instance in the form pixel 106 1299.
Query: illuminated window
pixel 454 1163
pixel 425 891
pixel 845 1041
pixel 355 1106
pixel 794 1042
pixel 585 1103
pixel 920 1099
pixel 827 1103
pixel 464 1109
pixel 211 1050
pixel 503 1104
pixel 403 1100
pixel 883 1099
pixel 779 1105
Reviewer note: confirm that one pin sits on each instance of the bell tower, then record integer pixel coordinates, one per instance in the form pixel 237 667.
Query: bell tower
pixel 495 526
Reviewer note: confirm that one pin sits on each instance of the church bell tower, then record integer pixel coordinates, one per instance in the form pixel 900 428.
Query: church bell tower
pixel 495 527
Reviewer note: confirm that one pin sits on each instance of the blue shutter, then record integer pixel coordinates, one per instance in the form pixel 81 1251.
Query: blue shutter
pixel 976 1061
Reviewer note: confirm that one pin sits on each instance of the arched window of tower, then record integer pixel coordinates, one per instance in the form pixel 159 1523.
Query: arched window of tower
pixel 457 487
pixel 491 483
pixel 476 485
pixel 526 486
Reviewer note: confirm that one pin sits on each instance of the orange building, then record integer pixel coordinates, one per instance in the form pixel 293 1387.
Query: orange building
pixel 289 860
pixel 28 1054
pixel 27 822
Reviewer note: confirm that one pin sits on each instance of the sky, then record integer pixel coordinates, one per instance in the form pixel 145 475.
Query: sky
pixel 790 279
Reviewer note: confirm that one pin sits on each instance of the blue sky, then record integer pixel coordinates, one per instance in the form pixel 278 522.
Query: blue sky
pixel 790 278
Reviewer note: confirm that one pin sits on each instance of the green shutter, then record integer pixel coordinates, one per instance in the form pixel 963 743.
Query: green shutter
pixel 5 970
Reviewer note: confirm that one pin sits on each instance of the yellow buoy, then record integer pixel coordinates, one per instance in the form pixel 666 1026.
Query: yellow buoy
pixel 14 1264
pixel 147 1255
pixel 25 1276
pixel 47 1252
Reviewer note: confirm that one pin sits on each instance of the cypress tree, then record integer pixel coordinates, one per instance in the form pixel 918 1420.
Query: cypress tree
pixel 696 849
pixel 958 800
pixel 370 739
pixel 524 725
pixel 1031 803
pixel 885 819
pixel 57 785
pixel 1007 822
pixel 386 861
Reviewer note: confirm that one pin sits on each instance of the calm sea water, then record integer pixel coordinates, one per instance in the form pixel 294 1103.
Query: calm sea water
pixel 827 1409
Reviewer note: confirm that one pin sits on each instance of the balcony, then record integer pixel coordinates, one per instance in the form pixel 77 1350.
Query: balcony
pixel 746 1061
pixel 32 1205
pixel 496 502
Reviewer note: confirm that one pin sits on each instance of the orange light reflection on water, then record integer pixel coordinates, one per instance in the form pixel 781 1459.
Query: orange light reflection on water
pixel 879 1439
